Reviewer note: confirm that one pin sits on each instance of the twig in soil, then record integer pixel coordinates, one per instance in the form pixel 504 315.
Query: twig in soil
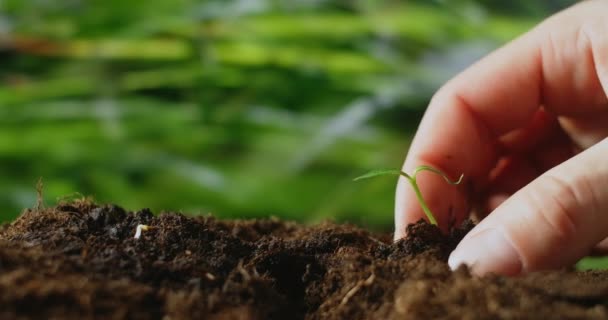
pixel 139 229
pixel 376 241
pixel 362 283
pixel 246 276
pixel 39 194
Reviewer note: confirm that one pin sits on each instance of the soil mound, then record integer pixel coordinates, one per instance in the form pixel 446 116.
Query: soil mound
pixel 81 261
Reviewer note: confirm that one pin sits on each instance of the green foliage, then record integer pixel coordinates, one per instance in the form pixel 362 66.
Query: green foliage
pixel 414 183
pixel 240 108
pixel 592 263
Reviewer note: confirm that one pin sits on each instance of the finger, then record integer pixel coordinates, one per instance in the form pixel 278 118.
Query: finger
pixel 494 201
pixel 586 130
pixel 514 172
pixel 558 65
pixel 541 127
pixel 510 175
pixel 601 249
pixel 551 153
pixel 551 223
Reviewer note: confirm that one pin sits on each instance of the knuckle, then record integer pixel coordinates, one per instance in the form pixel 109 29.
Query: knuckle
pixel 560 207
pixel 594 33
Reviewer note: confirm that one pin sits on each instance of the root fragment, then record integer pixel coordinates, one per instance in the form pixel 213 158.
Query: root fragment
pixel 140 228
pixel 362 283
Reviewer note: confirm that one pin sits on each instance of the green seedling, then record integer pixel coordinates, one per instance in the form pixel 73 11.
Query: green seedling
pixel 412 180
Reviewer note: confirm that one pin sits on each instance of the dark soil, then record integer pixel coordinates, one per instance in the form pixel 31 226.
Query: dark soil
pixel 80 260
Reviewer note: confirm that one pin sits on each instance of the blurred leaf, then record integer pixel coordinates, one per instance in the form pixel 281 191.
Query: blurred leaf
pixel 237 107
pixel 376 173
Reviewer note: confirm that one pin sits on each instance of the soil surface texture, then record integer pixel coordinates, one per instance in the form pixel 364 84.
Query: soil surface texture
pixel 81 261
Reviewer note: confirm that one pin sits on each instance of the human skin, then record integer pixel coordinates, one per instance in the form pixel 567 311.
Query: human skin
pixel 526 125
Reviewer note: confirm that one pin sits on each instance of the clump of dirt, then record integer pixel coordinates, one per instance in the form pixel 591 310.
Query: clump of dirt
pixel 81 261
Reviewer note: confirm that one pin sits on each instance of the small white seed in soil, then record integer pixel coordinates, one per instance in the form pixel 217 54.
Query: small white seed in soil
pixel 140 228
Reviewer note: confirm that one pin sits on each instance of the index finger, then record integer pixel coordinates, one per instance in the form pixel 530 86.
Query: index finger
pixel 560 65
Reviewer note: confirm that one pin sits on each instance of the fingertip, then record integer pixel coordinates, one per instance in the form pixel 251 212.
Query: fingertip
pixel 487 251
pixel 398 235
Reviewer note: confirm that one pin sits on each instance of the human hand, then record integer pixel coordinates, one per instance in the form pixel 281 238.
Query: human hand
pixel 527 124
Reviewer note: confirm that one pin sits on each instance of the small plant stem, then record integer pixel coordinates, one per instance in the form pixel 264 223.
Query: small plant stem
pixel 412 180
pixel 414 183
pixel 425 207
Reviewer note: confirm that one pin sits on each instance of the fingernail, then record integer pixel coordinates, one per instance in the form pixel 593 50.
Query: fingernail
pixel 487 252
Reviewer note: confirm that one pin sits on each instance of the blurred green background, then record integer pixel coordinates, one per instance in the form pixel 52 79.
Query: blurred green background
pixel 241 108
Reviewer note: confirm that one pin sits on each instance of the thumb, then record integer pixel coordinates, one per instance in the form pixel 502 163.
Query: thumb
pixel 550 223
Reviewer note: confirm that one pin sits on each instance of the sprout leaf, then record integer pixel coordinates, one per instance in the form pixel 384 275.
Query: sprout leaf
pixel 412 180
pixel 376 173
